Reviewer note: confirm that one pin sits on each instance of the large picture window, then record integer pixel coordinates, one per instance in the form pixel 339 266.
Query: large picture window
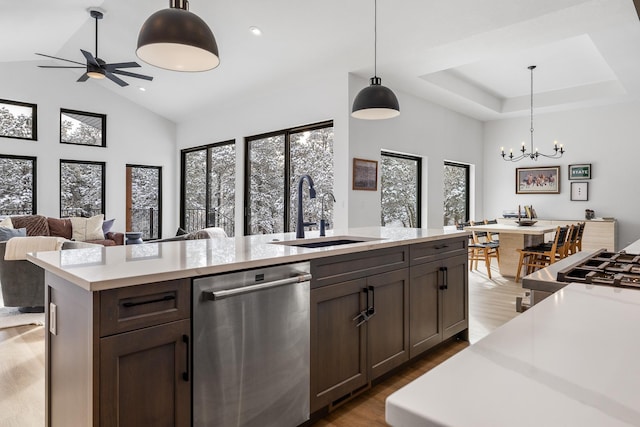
pixel 18 185
pixel 274 164
pixel 79 127
pixel 456 193
pixel 400 182
pixel 144 200
pixel 209 187
pixel 18 120
pixel 82 188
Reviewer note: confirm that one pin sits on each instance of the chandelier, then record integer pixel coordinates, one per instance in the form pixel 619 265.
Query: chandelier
pixel 558 150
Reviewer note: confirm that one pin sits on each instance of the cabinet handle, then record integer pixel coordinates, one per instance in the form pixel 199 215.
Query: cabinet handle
pixel 445 278
pixel 185 375
pixel 438 247
pixel 371 308
pixel 164 298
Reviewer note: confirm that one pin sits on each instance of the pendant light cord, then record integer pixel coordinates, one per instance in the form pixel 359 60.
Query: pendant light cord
pixel 531 68
pixel 375 38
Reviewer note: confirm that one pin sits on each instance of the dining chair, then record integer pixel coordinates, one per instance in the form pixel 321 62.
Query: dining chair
pixel 482 248
pixel 540 256
pixel 494 236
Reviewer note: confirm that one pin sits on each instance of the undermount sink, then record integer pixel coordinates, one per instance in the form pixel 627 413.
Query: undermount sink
pixel 323 242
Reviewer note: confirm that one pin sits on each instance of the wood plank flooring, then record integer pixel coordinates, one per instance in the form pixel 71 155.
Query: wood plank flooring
pixel 491 304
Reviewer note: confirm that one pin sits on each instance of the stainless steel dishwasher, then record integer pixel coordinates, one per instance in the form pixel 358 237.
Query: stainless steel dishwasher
pixel 251 348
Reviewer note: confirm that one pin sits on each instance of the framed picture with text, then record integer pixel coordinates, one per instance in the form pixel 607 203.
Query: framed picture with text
pixel 581 171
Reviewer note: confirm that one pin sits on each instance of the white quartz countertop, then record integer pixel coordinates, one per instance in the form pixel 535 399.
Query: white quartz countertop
pixel 571 360
pixel 118 266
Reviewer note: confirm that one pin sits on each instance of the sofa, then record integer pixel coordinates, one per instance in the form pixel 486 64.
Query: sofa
pixel 39 225
pixel 22 281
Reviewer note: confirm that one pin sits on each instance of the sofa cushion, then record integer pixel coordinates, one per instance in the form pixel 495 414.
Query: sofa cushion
pixel 85 229
pixel 6 223
pixel 7 233
pixel 106 226
pixel 60 227
pixel 36 225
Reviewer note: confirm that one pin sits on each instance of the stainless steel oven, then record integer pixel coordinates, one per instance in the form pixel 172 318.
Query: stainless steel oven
pixel 251 348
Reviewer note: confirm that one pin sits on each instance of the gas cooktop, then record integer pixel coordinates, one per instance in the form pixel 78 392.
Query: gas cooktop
pixel 605 268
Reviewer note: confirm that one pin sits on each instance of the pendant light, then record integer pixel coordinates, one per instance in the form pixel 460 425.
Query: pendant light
pixel 178 40
pixel 533 155
pixel 376 101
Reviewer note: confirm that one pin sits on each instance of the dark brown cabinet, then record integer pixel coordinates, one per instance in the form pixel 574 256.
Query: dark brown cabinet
pixel 144 377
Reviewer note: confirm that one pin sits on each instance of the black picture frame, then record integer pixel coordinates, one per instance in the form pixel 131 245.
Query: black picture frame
pixel 16 109
pixel 580 171
pixel 365 174
pixel 83 128
pixel 579 191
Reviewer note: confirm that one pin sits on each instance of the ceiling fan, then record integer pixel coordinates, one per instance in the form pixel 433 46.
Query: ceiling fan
pixel 96 67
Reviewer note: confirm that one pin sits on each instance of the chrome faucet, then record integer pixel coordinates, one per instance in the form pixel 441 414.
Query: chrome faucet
pixel 312 194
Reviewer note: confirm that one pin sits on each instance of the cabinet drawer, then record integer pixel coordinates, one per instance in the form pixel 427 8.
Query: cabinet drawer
pixel 420 253
pixel 135 307
pixel 335 269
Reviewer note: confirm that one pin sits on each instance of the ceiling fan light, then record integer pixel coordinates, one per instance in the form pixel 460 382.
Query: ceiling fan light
pixel 95 74
pixel 375 102
pixel 178 40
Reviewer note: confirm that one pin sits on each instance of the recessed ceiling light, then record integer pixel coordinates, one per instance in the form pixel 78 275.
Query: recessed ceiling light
pixel 141 89
pixel 255 31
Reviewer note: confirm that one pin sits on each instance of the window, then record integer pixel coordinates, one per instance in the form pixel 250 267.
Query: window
pixel 82 187
pixel 400 182
pixel 456 193
pixel 209 187
pixel 274 164
pixel 79 127
pixel 18 120
pixel 18 185
pixel 144 200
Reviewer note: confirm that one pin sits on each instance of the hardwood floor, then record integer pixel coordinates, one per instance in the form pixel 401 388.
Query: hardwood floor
pixel 491 304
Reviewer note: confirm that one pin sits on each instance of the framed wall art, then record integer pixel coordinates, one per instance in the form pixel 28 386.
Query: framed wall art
pixel 581 171
pixel 540 180
pixel 365 174
pixel 579 191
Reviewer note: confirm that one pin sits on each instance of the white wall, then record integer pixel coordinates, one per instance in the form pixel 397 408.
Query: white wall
pixel 134 136
pixel 422 129
pixel 606 137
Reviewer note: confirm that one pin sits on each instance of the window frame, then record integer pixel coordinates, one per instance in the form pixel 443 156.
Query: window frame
pixel 183 187
pixel 102 177
pixel 287 169
pixel 467 189
pixel 103 123
pixel 34 119
pixel 159 169
pixel 34 180
pixel 418 161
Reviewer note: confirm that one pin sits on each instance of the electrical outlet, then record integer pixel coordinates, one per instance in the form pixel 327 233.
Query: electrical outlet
pixel 53 318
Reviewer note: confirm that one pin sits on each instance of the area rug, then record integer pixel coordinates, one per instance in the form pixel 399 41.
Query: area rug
pixel 10 317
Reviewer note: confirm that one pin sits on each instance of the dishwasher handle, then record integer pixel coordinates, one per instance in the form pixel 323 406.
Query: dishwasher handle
pixel 227 293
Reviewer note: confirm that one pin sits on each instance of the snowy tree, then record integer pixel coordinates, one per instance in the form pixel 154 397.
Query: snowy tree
pixel 455 194
pixel 81 188
pixel 75 131
pixel 145 204
pixel 16 186
pixel 399 191
pixel 17 125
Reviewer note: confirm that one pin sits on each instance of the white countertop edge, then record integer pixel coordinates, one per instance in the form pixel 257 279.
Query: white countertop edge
pixel 120 273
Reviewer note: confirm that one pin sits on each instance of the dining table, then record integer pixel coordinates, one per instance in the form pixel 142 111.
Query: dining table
pixel 512 238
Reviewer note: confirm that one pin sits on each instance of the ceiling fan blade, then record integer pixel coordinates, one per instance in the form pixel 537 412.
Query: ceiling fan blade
pixel 60 66
pixel 83 78
pixel 60 59
pixel 113 78
pixel 90 59
pixel 127 73
pixel 112 67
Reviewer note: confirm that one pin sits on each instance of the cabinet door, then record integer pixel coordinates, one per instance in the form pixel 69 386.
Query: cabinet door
pixel 388 329
pixel 338 347
pixel 425 329
pixel 144 377
pixel 455 296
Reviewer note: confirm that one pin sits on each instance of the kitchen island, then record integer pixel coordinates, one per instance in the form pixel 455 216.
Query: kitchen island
pixel 120 346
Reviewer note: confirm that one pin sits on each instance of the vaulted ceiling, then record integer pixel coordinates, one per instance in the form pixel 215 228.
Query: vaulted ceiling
pixel 468 55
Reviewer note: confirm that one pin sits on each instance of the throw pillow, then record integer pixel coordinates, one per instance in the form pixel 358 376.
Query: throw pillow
pixel 60 227
pixel 180 232
pixel 87 228
pixel 106 226
pixel 36 225
pixel 6 233
pixel 6 223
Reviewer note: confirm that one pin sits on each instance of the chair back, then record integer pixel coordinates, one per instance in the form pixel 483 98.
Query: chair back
pixel 560 241
pixel 578 244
